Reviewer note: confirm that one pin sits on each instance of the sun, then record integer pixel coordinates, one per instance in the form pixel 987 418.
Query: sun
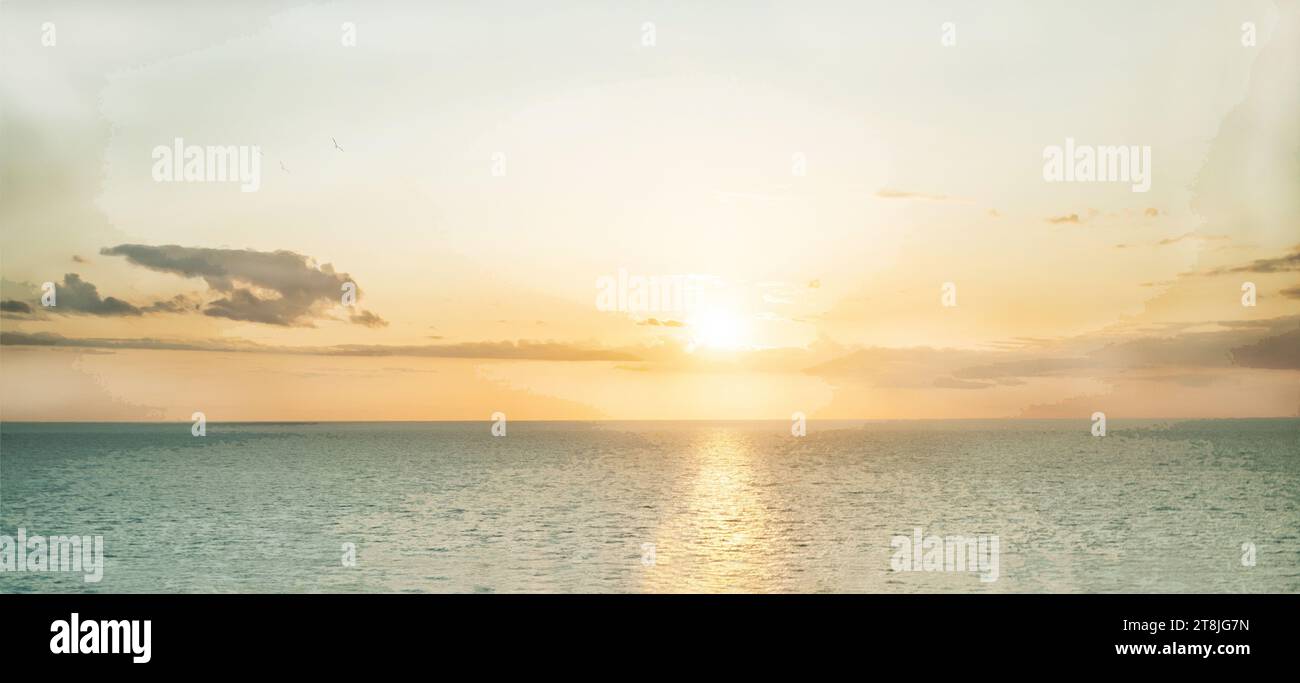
pixel 719 329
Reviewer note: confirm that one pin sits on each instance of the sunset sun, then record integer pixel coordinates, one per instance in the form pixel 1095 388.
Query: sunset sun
pixel 721 330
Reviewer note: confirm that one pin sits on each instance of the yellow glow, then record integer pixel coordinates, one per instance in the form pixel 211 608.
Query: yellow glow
pixel 718 538
pixel 720 329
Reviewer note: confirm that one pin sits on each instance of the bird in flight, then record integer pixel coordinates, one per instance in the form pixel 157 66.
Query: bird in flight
pixel 336 145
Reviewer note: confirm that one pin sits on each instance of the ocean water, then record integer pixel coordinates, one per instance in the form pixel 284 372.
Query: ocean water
pixel 742 506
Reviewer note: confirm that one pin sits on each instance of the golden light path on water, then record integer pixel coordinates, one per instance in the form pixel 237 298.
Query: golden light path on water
pixel 717 537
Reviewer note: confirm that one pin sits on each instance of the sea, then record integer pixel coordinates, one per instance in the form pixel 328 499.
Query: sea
pixel 659 507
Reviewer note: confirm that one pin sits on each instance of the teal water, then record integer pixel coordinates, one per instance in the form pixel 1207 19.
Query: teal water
pixel 567 507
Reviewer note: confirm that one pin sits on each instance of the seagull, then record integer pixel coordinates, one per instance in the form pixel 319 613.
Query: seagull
pixel 336 145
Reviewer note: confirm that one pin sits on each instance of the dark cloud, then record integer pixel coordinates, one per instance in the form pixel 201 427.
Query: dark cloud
pixel 1291 292
pixel 368 319
pixel 26 339
pixel 20 299
pixel 180 303
pixel 77 295
pixel 12 306
pixel 1281 352
pixel 275 288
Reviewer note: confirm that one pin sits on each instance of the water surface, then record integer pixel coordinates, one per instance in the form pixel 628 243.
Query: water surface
pixel 739 506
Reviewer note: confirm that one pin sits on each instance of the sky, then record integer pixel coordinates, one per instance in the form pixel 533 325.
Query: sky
pixel 851 195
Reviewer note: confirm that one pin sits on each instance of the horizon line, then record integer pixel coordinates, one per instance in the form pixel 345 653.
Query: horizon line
pixel 702 420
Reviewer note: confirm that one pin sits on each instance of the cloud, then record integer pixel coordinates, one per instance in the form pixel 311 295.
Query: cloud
pixel 1291 292
pixel 78 259
pixel 1072 218
pixel 665 323
pixel 886 193
pixel 77 295
pixel 368 319
pixel 1181 238
pixel 274 288
pixel 12 306
pixel 1189 236
pixel 914 367
pixel 52 339
pixel 1029 367
pixel 950 383
pixel 1281 352
pixel 1167 353
pixel 503 350
pixel 180 303
pixel 1172 354
pixel 1281 264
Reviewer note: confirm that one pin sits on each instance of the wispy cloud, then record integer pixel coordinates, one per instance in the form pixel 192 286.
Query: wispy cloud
pixel 950 383
pixel 503 350
pixel 1190 236
pixel 368 319
pixel 1156 355
pixel 887 193
pixel 1185 237
pixel 1280 264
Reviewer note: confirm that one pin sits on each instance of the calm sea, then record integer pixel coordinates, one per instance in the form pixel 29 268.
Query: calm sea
pixel 570 507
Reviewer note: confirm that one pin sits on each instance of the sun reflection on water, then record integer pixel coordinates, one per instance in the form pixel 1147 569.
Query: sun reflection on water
pixel 715 536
